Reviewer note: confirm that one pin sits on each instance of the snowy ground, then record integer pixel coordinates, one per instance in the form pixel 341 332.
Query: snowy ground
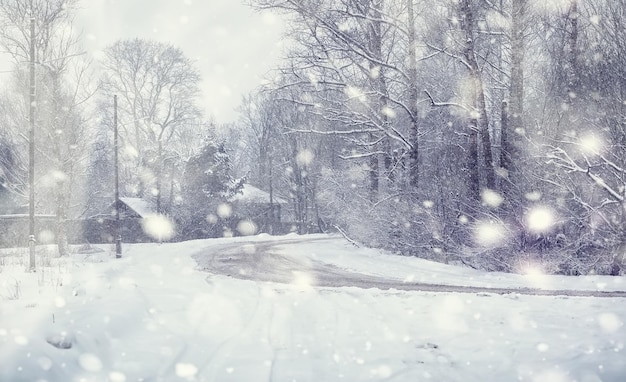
pixel 153 316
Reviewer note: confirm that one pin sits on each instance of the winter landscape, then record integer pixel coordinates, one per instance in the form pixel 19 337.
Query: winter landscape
pixel 156 315
pixel 319 190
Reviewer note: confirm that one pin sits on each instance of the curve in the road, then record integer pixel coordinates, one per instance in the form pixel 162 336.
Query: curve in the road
pixel 259 262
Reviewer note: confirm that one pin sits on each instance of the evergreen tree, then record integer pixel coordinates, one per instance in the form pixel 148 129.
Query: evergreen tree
pixel 206 187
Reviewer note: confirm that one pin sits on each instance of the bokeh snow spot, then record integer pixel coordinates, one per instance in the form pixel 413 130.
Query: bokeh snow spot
pixel 59 176
pixel 497 19
pixel 45 363
pixel 116 376
pixel 302 281
pixel 356 93
pixel 375 72
pixel 595 19
pixel 224 210
pixel 305 157
pixel 610 322
pixel 388 112
pixel 186 370
pixel 540 219
pixel 46 236
pixel 129 152
pixel 59 302
pixel 449 315
pixel 543 347
pixel 158 227
pixel 313 79
pixel 382 372
pixel 90 362
pixel 247 227
pixel 533 196
pixel 491 198
pixel 535 274
pixel 591 144
pixel 489 233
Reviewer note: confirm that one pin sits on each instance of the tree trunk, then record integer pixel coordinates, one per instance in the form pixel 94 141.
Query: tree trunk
pixel 413 99
pixel 61 226
pixel 472 162
pixel 478 94
pixel 374 173
pixel 379 84
pixel 61 188
pixel 159 175
pixel 572 78
pixel 513 116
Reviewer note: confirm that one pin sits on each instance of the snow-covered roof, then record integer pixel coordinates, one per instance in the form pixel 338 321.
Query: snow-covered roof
pixel 141 206
pixel 251 194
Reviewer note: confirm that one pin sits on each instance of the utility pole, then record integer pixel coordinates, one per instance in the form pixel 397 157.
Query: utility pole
pixel 118 235
pixel 31 149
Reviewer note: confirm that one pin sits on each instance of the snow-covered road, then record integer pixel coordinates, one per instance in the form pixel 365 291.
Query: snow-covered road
pixel 154 316
pixel 269 261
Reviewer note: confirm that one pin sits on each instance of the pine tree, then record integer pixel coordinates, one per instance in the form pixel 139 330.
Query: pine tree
pixel 207 184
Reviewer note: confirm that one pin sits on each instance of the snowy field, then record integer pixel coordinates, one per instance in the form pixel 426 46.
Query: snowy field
pixel 153 316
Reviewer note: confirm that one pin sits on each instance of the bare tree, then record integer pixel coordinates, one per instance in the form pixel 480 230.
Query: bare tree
pixel 351 66
pixel 63 89
pixel 158 90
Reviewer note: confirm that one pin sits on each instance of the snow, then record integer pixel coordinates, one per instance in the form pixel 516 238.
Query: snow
pixel 591 144
pixel 141 206
pixel 540 219
pixel 158 227
pixel 489 233
pixel 154 316
pixel 251 194
pixel 491 198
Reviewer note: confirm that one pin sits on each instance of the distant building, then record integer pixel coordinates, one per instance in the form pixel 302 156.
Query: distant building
pixel 257 206
pixel 135 208
pixel 100 228
pixel 14 229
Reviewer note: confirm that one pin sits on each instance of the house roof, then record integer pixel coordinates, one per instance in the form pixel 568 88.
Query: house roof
pixel 142 207
pixel 251 194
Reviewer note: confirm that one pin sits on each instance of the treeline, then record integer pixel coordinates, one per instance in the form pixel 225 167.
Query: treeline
pixel 485 132
pixel 168 153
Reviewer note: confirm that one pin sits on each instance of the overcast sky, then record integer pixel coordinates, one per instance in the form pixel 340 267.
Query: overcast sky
pixel 233 46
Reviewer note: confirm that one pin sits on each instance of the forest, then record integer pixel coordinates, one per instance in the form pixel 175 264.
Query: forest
pixel 488 133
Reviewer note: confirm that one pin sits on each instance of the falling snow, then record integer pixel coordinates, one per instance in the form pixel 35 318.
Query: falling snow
pixel 154 315
pixel 490 234
pixel 158 227
pixel 540 219
pixel 491 198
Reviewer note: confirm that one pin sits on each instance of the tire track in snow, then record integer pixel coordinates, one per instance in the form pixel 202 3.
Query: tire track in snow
pixel 259 261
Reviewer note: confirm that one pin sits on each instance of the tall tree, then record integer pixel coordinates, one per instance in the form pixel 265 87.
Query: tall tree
pixel 63 88
pixel 479 120
pixel 513 128
pixel 158 90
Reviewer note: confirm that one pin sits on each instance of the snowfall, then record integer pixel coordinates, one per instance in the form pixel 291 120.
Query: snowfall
pixel 155 315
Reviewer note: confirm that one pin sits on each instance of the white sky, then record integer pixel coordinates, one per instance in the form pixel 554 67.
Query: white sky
pixel 232 45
